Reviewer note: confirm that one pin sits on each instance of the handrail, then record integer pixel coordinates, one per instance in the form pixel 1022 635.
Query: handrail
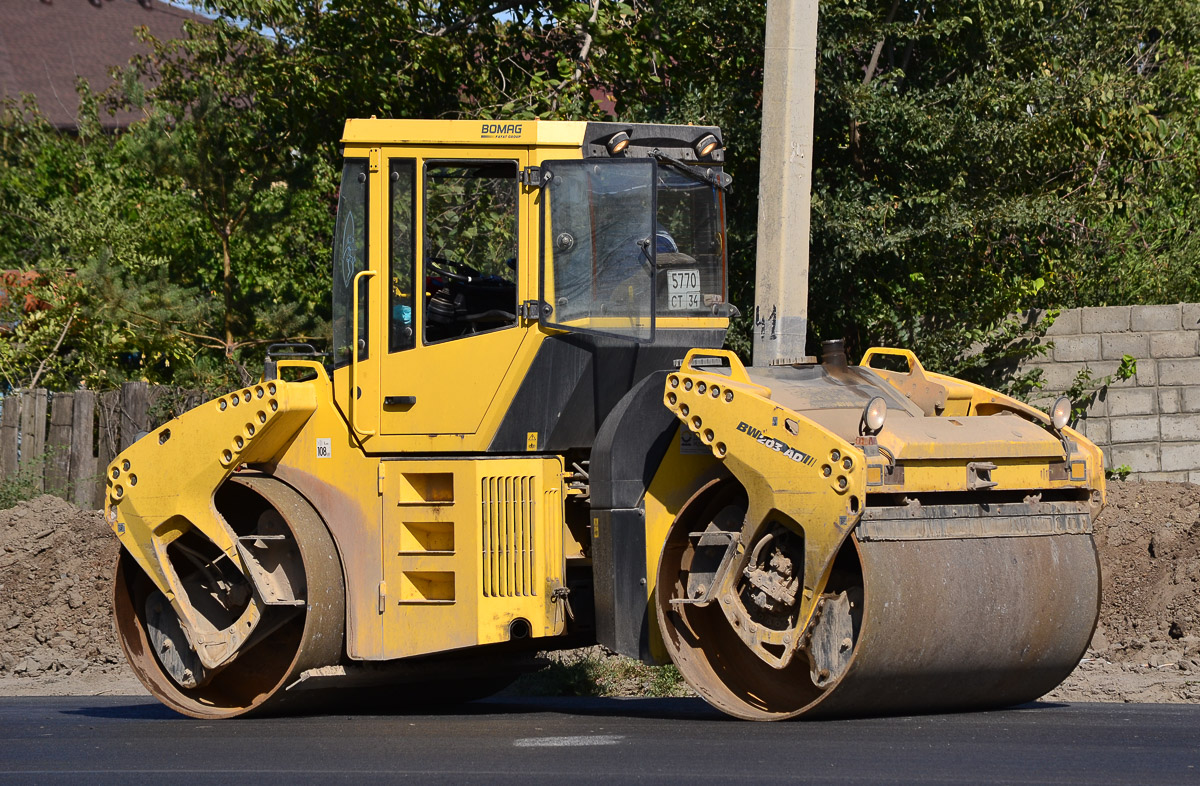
pixel 353 403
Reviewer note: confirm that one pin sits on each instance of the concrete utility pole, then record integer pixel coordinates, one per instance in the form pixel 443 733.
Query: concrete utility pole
pixel 785 182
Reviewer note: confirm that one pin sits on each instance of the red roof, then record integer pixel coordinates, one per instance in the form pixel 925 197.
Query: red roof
pixel 44 44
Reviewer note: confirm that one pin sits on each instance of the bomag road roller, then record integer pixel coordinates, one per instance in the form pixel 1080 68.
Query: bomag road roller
pixel 527 437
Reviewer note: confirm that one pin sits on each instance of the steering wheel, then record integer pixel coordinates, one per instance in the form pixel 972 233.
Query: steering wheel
pixel 465 274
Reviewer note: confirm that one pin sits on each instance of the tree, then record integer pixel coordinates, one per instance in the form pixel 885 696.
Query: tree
pixel 96 304
pixel 966 151
pixel 218 121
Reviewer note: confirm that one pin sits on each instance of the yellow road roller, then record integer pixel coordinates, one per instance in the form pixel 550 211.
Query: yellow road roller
pixel 526 436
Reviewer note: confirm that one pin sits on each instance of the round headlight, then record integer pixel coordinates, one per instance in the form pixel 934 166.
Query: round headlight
pixel 1060 413
pixel 617 143
pixel 705 145
pixel 874 414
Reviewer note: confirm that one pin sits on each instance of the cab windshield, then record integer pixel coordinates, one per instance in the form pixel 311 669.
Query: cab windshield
pixel 626 241
pixel 689 245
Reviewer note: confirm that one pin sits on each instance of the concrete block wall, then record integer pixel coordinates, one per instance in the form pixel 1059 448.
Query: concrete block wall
pixel 1151 422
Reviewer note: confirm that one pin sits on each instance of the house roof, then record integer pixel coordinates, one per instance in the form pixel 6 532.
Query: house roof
pixel 45 44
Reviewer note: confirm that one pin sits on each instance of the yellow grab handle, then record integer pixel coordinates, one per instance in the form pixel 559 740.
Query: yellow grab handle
pixel 354 353
pixel 737 371
pixel 907 354
pixel 283 363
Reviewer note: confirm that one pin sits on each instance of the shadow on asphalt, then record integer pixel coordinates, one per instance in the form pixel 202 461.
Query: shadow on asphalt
pixel 149 709
pixel 691 709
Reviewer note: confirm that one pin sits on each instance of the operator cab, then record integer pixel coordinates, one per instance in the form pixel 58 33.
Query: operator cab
pixel 465 250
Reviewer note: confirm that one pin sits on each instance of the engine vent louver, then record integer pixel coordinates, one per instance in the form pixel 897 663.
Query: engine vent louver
pixel 507 513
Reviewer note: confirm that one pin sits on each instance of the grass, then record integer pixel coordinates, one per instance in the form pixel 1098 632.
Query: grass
pixel 25 484
pixel 595 672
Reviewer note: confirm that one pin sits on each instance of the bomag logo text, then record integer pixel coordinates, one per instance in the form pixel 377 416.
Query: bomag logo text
pixel 779 446
pixel 501 129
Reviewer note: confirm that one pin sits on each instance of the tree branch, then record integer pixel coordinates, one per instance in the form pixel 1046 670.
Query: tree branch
pixel 584 50
pixel 879 47
pixel 467 21
pixel 61 336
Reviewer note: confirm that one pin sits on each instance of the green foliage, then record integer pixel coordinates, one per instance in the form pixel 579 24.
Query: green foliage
pixel 1085 389
pixel 130 268
pixel 221 123
pixel 952 182
pixel 77 214
pixel 1118 473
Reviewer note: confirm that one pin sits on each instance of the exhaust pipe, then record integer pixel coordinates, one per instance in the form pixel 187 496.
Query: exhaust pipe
pixel 833 353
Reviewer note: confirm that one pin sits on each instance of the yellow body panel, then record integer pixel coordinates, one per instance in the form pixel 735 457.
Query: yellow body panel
pixel 922 439
pixel 1021 450
pixel 469 546
pixel 374 511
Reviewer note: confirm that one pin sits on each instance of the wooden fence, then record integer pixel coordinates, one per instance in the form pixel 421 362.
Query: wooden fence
pixel 61 443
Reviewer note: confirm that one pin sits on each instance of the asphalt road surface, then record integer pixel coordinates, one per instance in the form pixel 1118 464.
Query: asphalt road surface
pixel 133 739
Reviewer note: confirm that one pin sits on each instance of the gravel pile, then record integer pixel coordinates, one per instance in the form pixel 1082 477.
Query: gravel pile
pixel 56 570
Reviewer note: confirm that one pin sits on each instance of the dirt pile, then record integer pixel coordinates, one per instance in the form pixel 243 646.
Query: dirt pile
pixel 1150 547
pixel 56 566
pixel 56 631
pixel 1147 645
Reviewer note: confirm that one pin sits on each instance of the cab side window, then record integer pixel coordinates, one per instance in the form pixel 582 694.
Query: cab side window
pixel 470 210
pixel 350 259
pixel 403 230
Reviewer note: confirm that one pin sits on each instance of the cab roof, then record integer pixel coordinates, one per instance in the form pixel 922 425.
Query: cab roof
pixel 590 137
pixel 475 132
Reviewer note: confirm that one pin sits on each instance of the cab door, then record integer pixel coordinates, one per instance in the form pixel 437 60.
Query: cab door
pixel 456 256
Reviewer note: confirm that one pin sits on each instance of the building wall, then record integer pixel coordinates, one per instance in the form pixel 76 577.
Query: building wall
pixel 1151 422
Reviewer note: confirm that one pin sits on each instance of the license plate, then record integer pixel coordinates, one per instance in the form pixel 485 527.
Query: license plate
pixel 683 290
